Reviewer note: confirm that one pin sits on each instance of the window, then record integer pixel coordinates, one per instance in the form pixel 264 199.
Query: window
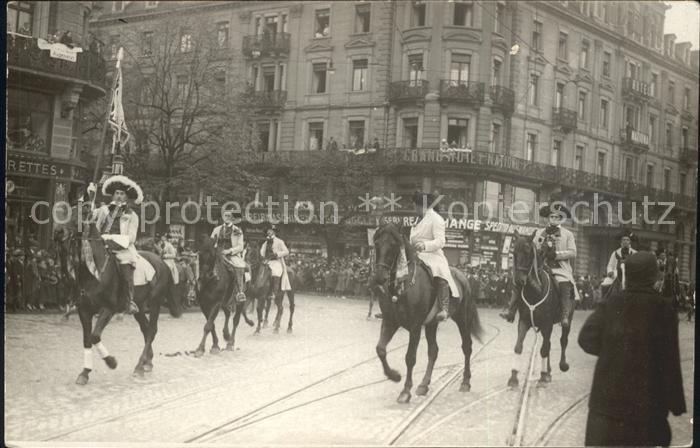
pixel 686 99
pixel 606 12
pixel 323 23
pixel 362 18
pixel 458 132
pixel 650 175
pixel 652 128
pixel 268 78
pixel 562 53
pixel 29 120
pixel 222 34
pixel 359 74
pixel 607 57
pixel 685 143
pixel 147 43
pixel 531 149
pixel 459 68
pixel 669 136
pixel 632 116
pixel 629 169
pixel 582 96
pixel 496 138
pixel 604 113
pixel 667 179
pixel 584 54
pixel 681 182
pixel 113 46
pixel 319 84
pixel 671 92
pixel 410 133
pixel 500 18
pixel 183 87
pixel 578 158
pixel 600 167
pixel 20 17
pixel 559 96
pixel 356 134
pixel 633 70
pixel 533 90
pixel 263 136
pixel 496 76
pixel 254 71
pixel 463 14
pixel 285 25
pixel 270 28
pixel 316 136
pixel 653 84
pixel 185 40
pixel 418 14
pixel 556 151
pixel 415 68
pixel 537 36
pixel 219 82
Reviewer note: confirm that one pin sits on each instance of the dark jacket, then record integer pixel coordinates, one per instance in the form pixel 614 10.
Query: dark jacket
pixel 638 373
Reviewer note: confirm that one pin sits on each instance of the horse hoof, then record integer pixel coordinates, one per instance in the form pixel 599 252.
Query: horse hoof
pixel 518 350
pixel 229 348
pixel 513 382
pixel 215 350
pixel 369 317
pixel 250 323
pixel 404 397
pixel 148 368
pixel 422 390
pixel 564 366
pixel 198 353
pixel 276 331
pixel 394 376
pixel 257 332
pixel 465 387
pixel 138 372
pixel 227 337
pixel 82 379
pixel 111 362
pixel 289 330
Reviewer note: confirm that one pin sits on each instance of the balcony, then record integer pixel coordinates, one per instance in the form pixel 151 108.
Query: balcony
pixel 24 54
pixel 688 156
pixel 463 92
pixel 564 119
pixel 503 99
pixel 634 140
pixel 270 100
pixel 634 88
pixel 266 45
pixel 407 91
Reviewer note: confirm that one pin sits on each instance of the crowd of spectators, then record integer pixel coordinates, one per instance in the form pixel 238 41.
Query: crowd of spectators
pixel 338 277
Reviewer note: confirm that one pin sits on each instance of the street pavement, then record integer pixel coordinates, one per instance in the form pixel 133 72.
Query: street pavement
pixel 320 385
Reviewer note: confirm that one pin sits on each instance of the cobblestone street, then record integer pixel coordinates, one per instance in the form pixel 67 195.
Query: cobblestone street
pixel 320 385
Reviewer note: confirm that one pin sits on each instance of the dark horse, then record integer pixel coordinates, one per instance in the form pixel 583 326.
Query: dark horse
pixel 260 286
pixel 100 296
pixel 539 306
pixel 412 308
pixel 670 283
pixel 214 294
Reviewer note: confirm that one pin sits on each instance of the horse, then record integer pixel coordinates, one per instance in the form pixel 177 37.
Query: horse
pixel 670 283
pixel 539 306
pixel 100 296
pixel 412 310
pixel 260 286
pixel 215 293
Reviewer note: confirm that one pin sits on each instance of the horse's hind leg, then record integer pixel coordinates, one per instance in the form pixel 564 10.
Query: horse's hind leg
pixel 86 323
pixel 260 310
pixel 268 303
pixel 563 365
pixel 371 304
pixel 96 338
pixel 466 336
pixel 140 317
pixel 236 319
pixel 523 327
pixel 290 296
pixel 431 337
pixel 210 313
pixel 414 339
pixel 227 316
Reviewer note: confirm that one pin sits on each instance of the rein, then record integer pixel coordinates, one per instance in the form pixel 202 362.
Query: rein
pixel 534 266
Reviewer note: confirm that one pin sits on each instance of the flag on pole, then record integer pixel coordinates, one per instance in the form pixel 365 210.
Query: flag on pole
pixel 116 114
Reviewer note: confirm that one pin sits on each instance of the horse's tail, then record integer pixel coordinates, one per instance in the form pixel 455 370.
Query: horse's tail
pixel 174 299
pixel 473 320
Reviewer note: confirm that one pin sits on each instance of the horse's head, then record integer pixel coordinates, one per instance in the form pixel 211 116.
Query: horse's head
pixel 388 242
pixel 524 256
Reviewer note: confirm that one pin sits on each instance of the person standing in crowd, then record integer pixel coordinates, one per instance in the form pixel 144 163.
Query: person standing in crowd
pixel 168 253
pixel 634 389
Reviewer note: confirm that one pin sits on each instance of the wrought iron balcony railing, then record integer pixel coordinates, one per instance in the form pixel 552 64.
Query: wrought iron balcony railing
pixel 271 44
pixel 503 99
pixel 465 92
pixel 271 99
pixel 633 139
pixel 408 90
pixel 636 88
pixel 563 118
pixel 23 52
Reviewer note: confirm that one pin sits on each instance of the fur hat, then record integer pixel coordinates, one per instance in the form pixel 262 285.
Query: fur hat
pixel 627 233
pixel 556 207
pixel 123 183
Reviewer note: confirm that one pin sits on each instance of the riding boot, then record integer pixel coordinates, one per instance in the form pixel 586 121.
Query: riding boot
pixel 565 292
pixel 239 287
pixel 127 274
pixel 443 298
pixel 509 315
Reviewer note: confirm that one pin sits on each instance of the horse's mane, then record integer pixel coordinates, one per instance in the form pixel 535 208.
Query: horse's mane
pixel 395 232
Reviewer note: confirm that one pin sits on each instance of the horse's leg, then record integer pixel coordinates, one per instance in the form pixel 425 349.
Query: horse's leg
pixel 431 337
pixel 414 339
pixel 96 338
pixel 387 332
pixel 236 319
pixel 563 365
pixel 371 304
pixel 215 349
pixel 523 327
pixel 290 297
pixel 227 316
pixel 140 317
pixel 279 303
pixel 260 309
pixel 85 322
pixel 545 375
pixel 268 303
pixel 210 313
pixel 154 313
pixel 466 336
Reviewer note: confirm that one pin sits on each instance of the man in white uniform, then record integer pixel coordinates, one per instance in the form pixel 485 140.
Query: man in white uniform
pixel 617 258
pixel 428 238
pixel 229 244
pixel 273 251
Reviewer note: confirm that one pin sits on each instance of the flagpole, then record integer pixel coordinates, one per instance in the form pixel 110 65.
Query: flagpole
pixel 105 125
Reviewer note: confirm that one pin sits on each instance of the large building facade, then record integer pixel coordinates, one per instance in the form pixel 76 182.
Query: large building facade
pixel 49 85
pixel 581 101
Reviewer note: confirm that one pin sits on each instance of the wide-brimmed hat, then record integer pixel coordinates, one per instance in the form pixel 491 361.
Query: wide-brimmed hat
pixel 123 183
pixel 270 226
pixel 555 207
pixel 627 233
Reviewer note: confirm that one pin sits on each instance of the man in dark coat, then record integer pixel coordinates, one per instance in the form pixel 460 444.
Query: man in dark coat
pixel 637 378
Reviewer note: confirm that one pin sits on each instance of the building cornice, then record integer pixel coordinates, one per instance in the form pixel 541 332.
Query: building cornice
pixel 143 15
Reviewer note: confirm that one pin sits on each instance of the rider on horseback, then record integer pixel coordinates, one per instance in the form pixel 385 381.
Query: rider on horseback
pixel 617 258
pixel 273 251
pixel 428 238
pixel 562 241
pixel 229 244
pixel 117 218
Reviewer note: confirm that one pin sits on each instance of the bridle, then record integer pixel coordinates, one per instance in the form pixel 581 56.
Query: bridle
pixel 533 266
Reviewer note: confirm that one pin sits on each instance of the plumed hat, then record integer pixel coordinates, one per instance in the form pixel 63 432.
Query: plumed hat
pixel 123 183
pixel 555 207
